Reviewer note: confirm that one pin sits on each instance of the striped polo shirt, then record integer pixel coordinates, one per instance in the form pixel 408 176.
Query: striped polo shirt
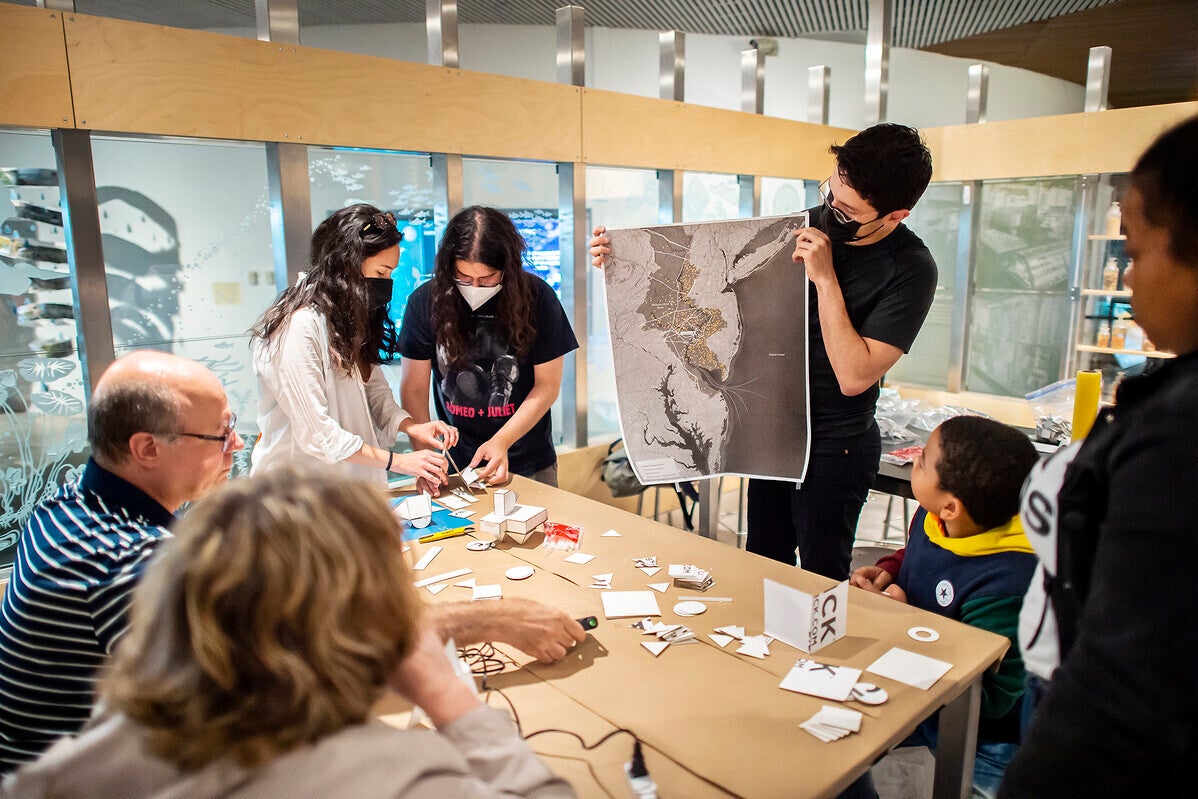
pixel 80 555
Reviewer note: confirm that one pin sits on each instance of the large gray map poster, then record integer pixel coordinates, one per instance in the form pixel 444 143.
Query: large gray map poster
pixel 709 336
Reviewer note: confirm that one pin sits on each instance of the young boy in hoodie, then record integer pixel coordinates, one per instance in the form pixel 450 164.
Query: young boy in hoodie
pixel 967 558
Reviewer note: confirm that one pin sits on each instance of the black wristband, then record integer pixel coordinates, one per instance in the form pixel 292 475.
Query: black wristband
pixel 390 460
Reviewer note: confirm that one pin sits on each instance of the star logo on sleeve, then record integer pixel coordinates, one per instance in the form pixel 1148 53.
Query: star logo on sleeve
pixel 944 593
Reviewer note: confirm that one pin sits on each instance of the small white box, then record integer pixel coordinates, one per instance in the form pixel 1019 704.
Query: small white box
pixel 493 524
pixel 526 518
pixel 505 502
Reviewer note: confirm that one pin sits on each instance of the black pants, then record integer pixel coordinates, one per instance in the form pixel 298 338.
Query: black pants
pixel 820 516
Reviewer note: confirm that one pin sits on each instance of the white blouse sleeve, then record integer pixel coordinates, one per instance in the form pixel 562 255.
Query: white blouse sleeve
pixel 294 368
pixel 384 410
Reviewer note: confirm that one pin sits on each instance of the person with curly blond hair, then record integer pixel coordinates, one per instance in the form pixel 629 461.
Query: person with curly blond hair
pixel 261 636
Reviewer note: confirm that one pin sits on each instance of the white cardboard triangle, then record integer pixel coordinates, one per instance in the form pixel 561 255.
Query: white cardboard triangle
pixel 467 583
pixel 721 640
pixel 656 647
pixel 659 587
pixel 650 570
pixel 438 588
pixel 611 534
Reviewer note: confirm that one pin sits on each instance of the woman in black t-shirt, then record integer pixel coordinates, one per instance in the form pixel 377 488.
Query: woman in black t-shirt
pixel 491 338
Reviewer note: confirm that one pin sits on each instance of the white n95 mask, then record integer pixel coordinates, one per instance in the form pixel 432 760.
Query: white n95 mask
pixel 477 296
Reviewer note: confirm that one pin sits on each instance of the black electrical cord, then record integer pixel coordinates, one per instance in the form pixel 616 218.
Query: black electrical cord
pixel 588 747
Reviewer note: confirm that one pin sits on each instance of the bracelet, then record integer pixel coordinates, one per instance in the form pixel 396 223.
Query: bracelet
pixel 390 460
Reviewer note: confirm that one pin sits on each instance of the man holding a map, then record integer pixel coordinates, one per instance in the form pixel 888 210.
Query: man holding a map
pixel 872 282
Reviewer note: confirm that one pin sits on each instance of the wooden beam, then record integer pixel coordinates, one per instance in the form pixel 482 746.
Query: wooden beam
pixel 34 90
pixel 137 78
pixel 1068 144
pixel 627 130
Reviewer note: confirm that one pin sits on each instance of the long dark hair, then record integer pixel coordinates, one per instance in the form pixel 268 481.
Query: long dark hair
pixel 486 236
pixel 359 334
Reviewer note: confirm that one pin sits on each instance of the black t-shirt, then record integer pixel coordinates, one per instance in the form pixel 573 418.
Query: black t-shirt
pixel 888 288
pixel 480 396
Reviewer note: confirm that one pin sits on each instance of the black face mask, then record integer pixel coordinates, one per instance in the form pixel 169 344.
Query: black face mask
pixel 380 291
pixel 839 231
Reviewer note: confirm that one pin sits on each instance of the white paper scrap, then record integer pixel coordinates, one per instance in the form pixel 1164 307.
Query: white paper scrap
pixel 721 640
pixel 736 632
pixel 438 588
pixel 580 558
pixel 452 501
pixel 661 588
pixel 610 534
pixel 842 717
pixel 487 592
pixel 650 570
pixel 461 514
pixel 433 552
pixel 821 679
pixel 466 583
pixel 627 604
pixel 656 647
pixel 436 578
pixel 602 578
pixel 909 668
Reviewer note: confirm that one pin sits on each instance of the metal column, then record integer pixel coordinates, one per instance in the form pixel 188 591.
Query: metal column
pixel 752 101
pixel 958 336
pixel 573 236
pixel 1098 78
pixel 286 162
pixel 978 95
pixel 441 23
pixel 672 86
pixel 58 5
pixel 877 59
pixel 85 252
pixel 819 87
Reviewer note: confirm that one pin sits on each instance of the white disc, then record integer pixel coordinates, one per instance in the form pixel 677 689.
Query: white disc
pixel 690 608
pixel 868 694
pixel 519 572
pixel 925 634
pixel 480 546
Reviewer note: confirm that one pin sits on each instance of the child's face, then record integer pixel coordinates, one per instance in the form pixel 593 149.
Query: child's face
pixel 925 480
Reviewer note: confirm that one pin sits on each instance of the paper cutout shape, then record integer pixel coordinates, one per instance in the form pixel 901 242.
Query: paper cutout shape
pixel 736 632
pixel 436 578
pixel 909 668
pixel 580 558
pixel 601 580
pixel 610 534
pixel 868 694
pixel 461 514
pixel 452 501
pixel 438 588
pixel 466 583
pixel 659 587
pixel 650 570
pixel 757 646
pixel 482 592
pixel 821 679
pixel 808 622
pixel 628 604
pixel 649 562
pixel 423 563
pixel 833 723
pixel 656 647
pixel 721 640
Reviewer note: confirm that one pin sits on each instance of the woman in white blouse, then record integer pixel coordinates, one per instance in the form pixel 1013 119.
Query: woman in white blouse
pixel 322 397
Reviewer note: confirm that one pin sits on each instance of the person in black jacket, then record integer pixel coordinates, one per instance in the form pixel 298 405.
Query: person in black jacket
pixel 1120 715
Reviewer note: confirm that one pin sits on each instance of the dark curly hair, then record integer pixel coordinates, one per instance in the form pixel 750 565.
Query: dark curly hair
pixel 1167 177
pixel 486 236
pixel 359 334
pixel 983 463
pixel 888 165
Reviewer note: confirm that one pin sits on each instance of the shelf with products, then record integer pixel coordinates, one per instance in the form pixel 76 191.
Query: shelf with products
pixel 1113 351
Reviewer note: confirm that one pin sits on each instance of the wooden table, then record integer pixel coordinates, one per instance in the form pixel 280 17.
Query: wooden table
pixel 715 722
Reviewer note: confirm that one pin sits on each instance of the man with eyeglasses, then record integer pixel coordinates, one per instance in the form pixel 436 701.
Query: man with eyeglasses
pixel 872 283
pixel 162 435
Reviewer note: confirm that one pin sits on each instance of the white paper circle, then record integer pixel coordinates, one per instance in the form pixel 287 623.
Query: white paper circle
pixel 519 572
pixel 480 546
pixel 689 608
pixel 925 634
pixel 868 694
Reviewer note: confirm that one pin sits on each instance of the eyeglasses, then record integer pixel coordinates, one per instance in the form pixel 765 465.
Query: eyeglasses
pixel 825 193
pixel 379 223
pixel 487 281
pixel 228 439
